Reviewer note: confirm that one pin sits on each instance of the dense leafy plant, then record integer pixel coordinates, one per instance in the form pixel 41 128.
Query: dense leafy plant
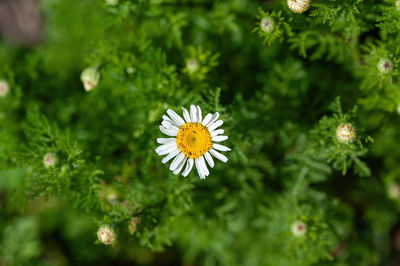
pixel 310 102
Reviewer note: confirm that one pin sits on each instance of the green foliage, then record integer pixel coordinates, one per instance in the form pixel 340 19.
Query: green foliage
pixel 73 160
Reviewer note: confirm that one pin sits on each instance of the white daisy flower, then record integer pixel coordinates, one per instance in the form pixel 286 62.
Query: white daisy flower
pixel 192 142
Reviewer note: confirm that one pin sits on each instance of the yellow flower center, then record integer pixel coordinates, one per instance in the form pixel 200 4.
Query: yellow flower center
pixel 194 140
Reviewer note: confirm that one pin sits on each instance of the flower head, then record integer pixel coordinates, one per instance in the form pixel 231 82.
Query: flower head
pixel 345 133
pixel 90 77
pixel 267 24
pixel 394 191
pixel 299 228
pixel 192 141
pixel 4 88
pixel 49 160
pixel 385 66
pixel 130 70
pixel 132 226
pixel 298 6
pixel 112 2
pixel 106 235
pixel 192 65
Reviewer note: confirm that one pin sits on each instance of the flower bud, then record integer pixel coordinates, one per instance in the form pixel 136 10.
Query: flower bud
pixel 345 133
pixel 130 70
pixel 298 6
pixel 90 77
pixel 267 24
pixel 49 160
pixel 133 224
pixel 398 4
pixel 106 235
pixel 4 88
pixel 385 66
pixel 299 228
pixel 192 65
pixel 112 2
pixel 394 191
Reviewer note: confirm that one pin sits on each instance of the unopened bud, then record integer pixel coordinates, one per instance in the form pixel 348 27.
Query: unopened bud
pixel 106 235
pixel 112 2
pixel 299 228
pixel 345 133
pixel 192 65
pixel 130 70
pixel 133 224
pixel 4 88
pixel 267 24
pixel 298 6
pixel 49 160
pixel 385 66
pixel 90 77
pixel 394 191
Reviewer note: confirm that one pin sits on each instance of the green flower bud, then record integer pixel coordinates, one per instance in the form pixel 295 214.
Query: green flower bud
pixel 192 65
pixel 394 191
pixel 299 228
pixel 4 88
pixel 112 2
pixel 385 66
pixel 49 160
pixel 90 77
pixel 267 24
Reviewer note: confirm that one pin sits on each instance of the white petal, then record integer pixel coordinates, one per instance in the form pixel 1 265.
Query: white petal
pixel 216 132
pixel 180 166
pixel 199 169
pixel 202 163
pixel 176 161
pixel 199 117
pixel 209 159
pixel 214 125
pixel 165 140
pixel 168 150
pixel 206 119
pixel 166 118
pixel 170 156
pixel 218 155
pixel 175 117
pixel 219 138
pixel 166 124
pixel 193 113
pixel 220 147
pixel 213 119
pixel 165 146
pixel 186 115
pixel 171 131
pixel 189 167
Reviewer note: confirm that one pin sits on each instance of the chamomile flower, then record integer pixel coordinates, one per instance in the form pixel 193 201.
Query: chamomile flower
pixel 106 235
pixel 345 133
pixel 298 6
pixel 192 142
